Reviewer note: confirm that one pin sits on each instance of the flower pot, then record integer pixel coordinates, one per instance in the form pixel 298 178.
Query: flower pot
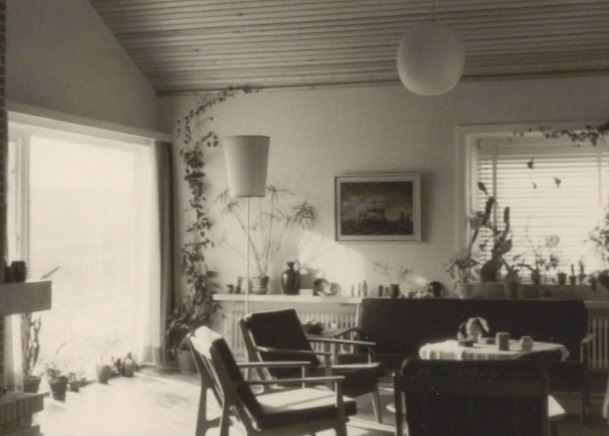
pixel 511 289
pixel 59 386
pixel 536 277
pixel 31 384
pixel 290 280
pixel 186 363
pixel 394 290
pixel 103 374
pixel 74 385
pixel 562 278
pixel 128 367
pixel 260 285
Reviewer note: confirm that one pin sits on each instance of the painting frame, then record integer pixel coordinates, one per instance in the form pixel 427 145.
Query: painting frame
pixel 372 192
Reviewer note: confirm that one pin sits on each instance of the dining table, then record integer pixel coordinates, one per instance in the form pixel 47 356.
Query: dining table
pixel 453 349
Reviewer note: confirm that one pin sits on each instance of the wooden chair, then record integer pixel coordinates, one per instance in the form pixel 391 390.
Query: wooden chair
pixel 474 398
pixel 279 335
pixel 281 412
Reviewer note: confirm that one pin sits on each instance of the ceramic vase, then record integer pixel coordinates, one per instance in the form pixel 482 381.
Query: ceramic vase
pixel 290 280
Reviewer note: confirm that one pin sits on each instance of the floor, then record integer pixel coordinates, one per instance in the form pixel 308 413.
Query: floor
pixel 153 404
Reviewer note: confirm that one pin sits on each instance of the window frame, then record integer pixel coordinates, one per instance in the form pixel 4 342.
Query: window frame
pixel 467 139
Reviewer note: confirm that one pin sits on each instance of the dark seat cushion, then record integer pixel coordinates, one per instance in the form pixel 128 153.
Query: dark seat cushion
pixel 402 326
pixel 299 406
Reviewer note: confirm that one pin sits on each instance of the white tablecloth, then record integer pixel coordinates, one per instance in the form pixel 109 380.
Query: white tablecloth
pixel 451 350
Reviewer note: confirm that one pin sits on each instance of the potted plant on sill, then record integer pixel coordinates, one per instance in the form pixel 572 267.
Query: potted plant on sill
pixel 274 218
pixel 57 382
pixel 30 331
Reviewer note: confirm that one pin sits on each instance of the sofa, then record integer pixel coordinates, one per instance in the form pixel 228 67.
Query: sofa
pixel 399 327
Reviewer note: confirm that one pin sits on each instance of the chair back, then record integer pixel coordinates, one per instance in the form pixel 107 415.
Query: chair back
pixel 279 329
pixel 219 371
pixel 474 398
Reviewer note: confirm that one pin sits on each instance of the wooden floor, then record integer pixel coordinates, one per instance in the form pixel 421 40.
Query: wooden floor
pixel 152 404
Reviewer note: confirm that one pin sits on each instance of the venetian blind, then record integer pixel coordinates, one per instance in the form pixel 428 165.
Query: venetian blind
pixel 552 188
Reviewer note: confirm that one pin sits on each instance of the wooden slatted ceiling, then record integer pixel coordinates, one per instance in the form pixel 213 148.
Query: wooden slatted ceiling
pixel 198 45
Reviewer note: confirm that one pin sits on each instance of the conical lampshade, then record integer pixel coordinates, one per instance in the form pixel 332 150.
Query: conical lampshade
pixel 246 163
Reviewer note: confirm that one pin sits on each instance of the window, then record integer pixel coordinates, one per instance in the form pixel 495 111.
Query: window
pixel 552 188
pixel 85 207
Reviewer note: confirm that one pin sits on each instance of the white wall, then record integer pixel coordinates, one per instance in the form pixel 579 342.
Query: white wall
pixel 61 56
pixel 319 134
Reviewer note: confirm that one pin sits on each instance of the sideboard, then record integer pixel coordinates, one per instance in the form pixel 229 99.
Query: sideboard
pixel 341 312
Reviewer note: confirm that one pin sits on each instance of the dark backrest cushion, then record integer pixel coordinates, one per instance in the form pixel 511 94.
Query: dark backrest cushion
pixel 402 326
pixel 219 366
pixel 280 329
pixel 450 398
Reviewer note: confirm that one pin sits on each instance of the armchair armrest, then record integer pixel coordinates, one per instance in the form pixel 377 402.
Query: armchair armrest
pixel 341 341
pixel 304 353
pixel 296 381
pixel 588 338
pixel 286 364
pixel 344 332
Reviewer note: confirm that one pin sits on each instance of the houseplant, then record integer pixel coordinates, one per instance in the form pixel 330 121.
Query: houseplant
pixel 30 331
pixel 274 216
pixel 198 306
pixel 472 261
pixel 57 382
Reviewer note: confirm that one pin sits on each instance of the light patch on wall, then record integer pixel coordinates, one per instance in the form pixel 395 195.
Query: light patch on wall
pixel 324 257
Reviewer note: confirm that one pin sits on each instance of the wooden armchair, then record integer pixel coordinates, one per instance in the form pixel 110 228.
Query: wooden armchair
pixel 474 398
pixel 279 335
pixel 298 411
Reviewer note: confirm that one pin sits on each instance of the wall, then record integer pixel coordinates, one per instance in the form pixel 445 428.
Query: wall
pixel 61 56
pixel 319 134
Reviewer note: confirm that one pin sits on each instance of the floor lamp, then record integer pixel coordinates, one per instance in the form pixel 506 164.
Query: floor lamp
pixel 246 166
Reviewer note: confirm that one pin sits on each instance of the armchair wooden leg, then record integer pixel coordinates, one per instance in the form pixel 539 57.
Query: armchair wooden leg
pixel 376 405
pixel 203 424
pixel 397 398
pixel 225 419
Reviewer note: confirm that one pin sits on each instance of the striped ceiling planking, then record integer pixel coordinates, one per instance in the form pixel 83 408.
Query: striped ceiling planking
pixel 187 46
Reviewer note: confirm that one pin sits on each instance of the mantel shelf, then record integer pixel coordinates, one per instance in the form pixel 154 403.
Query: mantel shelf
pixel 25 297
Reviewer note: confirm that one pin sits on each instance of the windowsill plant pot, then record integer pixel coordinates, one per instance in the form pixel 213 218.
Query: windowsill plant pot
pixel 31 384
pixel 59 386
pixel 103 374
pixel 186 363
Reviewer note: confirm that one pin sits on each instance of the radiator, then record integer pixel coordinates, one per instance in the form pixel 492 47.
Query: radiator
pixel 329 317
pixel 598 325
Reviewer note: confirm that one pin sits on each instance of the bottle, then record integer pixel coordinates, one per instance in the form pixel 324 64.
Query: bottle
pixel 365 289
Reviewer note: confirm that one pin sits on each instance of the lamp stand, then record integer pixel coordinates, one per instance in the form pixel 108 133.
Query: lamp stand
pixel 247 261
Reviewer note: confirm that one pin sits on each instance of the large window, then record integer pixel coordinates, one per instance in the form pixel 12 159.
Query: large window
pixel 552 188
pixel 84 207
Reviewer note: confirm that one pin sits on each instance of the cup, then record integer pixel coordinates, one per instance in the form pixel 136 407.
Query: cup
pixel 503 341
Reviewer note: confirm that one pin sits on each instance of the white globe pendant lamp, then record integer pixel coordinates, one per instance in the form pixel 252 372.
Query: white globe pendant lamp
pixel 430 59
pixel 246 159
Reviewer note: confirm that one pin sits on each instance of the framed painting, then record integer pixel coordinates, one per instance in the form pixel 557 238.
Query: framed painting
pixel 378 207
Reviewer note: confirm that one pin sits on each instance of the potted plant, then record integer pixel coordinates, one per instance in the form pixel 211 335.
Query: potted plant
pixel 30 343
pixel 185 319
pixel 104 372
pixel 274 217
pixel 198 306
pixel 57 382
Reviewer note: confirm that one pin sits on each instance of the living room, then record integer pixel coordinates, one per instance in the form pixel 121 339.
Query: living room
pixel 85 91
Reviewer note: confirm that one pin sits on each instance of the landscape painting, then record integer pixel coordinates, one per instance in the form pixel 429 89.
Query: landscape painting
pixel 378 207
